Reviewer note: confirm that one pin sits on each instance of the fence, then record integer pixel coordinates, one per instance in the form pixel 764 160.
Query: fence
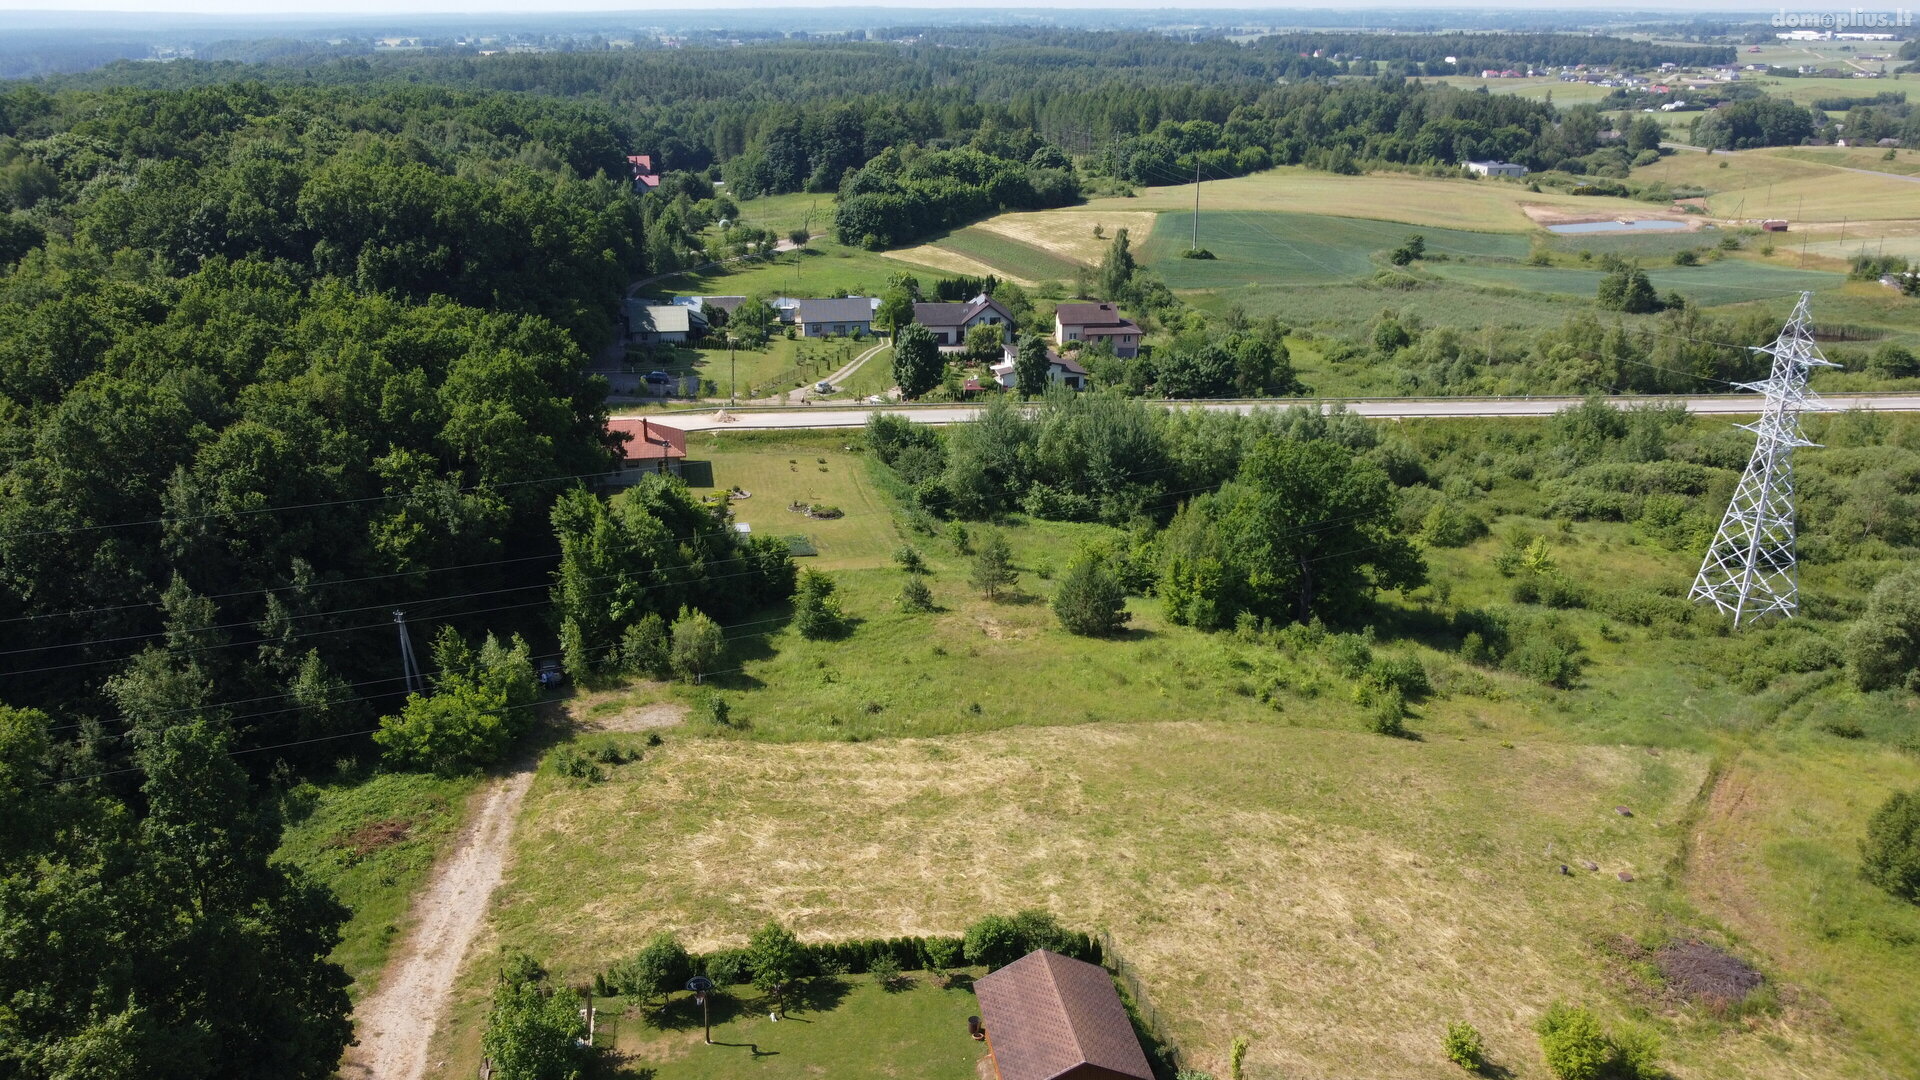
pixel 1153 1026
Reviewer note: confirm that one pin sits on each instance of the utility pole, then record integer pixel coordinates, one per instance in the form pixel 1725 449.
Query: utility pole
pixel 409 667
pixel 733 375
pixel 1194 244
pixel 1749 572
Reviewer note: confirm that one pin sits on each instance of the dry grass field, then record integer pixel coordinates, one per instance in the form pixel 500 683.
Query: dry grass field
pixel 1484 205
pixel 1069 233
pixel 953 262
pixel 1764 184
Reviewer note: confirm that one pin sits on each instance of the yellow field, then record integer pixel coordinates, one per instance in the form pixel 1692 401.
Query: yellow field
pixel 1069 233
pixel 1769 183
pixel 1485 205
pixel 953 262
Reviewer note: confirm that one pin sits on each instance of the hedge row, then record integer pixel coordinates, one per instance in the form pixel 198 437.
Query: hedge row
pixel 993 941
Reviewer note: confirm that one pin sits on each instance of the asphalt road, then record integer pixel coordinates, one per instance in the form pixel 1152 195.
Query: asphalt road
pixel 840 415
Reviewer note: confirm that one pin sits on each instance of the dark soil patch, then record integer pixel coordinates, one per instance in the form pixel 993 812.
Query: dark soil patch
pixel 1706 974
pixel 368 839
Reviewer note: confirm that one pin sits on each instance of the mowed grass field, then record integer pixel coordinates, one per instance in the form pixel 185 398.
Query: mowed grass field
pixel 1758 184
pixel 1270 869
pixel 1724 282
pixel 1265 248
pixel 1438 202
pixel 820 270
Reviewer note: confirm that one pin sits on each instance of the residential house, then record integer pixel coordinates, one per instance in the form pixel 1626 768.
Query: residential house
pixel 950 322
pixel 663 324
pixel 644 178
pixel 650 447
pixel 1097 322
pixel 1060 369
pixel 834 318
pixel 1495 168
pixel 1049 1017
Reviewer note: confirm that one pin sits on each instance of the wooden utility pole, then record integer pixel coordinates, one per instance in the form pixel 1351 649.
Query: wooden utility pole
pixel 1194 244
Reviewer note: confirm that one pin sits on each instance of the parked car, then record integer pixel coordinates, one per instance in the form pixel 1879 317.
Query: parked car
pixel 659 377
pixel 550 674
pixel 823 387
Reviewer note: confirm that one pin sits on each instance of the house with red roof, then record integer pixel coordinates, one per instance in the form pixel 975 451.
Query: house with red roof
pixel 649 447
pixel 644 178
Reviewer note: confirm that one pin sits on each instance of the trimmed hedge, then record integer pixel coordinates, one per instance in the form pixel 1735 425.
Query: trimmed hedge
pixel 856 957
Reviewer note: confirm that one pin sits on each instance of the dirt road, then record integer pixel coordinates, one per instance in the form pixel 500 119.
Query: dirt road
pixel 395 1022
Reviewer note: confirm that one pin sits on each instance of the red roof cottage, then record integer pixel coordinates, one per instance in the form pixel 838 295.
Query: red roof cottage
pixel 650 447
pixel 1048 1017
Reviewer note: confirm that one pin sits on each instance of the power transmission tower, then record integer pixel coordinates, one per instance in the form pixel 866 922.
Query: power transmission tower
pixel 1749 571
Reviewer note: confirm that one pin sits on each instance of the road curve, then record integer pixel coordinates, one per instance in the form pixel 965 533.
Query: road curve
pixel 843 415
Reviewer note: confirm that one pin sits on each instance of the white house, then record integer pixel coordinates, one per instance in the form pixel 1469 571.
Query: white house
pixel 1097 322
pixel 1495 168
pixel 1060 369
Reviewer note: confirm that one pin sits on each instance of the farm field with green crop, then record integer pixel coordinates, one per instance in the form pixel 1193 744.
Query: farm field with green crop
pixel 1266 248
pixel 1724 282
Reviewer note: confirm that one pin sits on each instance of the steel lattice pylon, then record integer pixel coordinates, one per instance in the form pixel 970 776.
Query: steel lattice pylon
pixel 1749 571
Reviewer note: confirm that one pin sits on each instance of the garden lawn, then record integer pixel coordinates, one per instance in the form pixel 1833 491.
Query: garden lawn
pixel 781 469
pixel 372 839
pixel 842 1027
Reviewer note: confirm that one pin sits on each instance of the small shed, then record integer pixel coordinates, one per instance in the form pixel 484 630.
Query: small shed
pixel 1774 224
pixel 1049 1017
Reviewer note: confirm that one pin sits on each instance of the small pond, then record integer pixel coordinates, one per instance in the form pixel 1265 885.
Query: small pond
pixel 1648 225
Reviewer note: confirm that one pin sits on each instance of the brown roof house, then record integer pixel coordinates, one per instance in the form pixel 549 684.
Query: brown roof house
pixel 649 447
pixel 1097 322
pixel 950 322
pixel 1048 1017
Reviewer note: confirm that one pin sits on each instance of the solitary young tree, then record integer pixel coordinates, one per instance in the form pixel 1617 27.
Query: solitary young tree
pixel 917 366
pixel 1030 366
pixel 993 565
pixel 698 644
pixel 816 612
pixel 1090 600
pixel 776 959
pixel 1116 270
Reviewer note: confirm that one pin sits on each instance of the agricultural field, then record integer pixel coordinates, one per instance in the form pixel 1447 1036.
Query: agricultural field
pixel 1755 184
pixel 1269 869
pixel 1432 202
pixel 1267 248
pixel 1724 282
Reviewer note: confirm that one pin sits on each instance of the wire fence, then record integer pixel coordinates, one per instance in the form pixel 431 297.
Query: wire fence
pixel 1151 1022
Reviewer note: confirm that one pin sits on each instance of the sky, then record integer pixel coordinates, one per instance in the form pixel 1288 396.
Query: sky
pixel 269 9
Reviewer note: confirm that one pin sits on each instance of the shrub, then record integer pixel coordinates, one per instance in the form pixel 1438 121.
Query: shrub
pixel 1883 648
pixel 644 648
pixel 886 972
pixel 1404 674
pixel 727 967
pixel 698 643
pixel 993 941
pixel 941 953
pixel 1464 1047
pixel 1574 1044
pixel 1387 715
pixel 958 537
pixel 534 1034
pixel 910 559
pixel 816 611
pixel 915 596
pixel 1890 853
pixel 656 971
pixel 1090 600
pixel 714 710
pixel 1448 526
pixel 993 566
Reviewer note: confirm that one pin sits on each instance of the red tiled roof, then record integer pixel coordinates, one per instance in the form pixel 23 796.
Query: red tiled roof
pixel 649 440
pixel 1048 1016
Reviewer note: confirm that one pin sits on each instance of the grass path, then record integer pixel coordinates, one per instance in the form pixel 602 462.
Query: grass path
pixel 394 1023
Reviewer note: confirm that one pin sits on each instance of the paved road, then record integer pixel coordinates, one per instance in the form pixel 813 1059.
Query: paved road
pixel 841 415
